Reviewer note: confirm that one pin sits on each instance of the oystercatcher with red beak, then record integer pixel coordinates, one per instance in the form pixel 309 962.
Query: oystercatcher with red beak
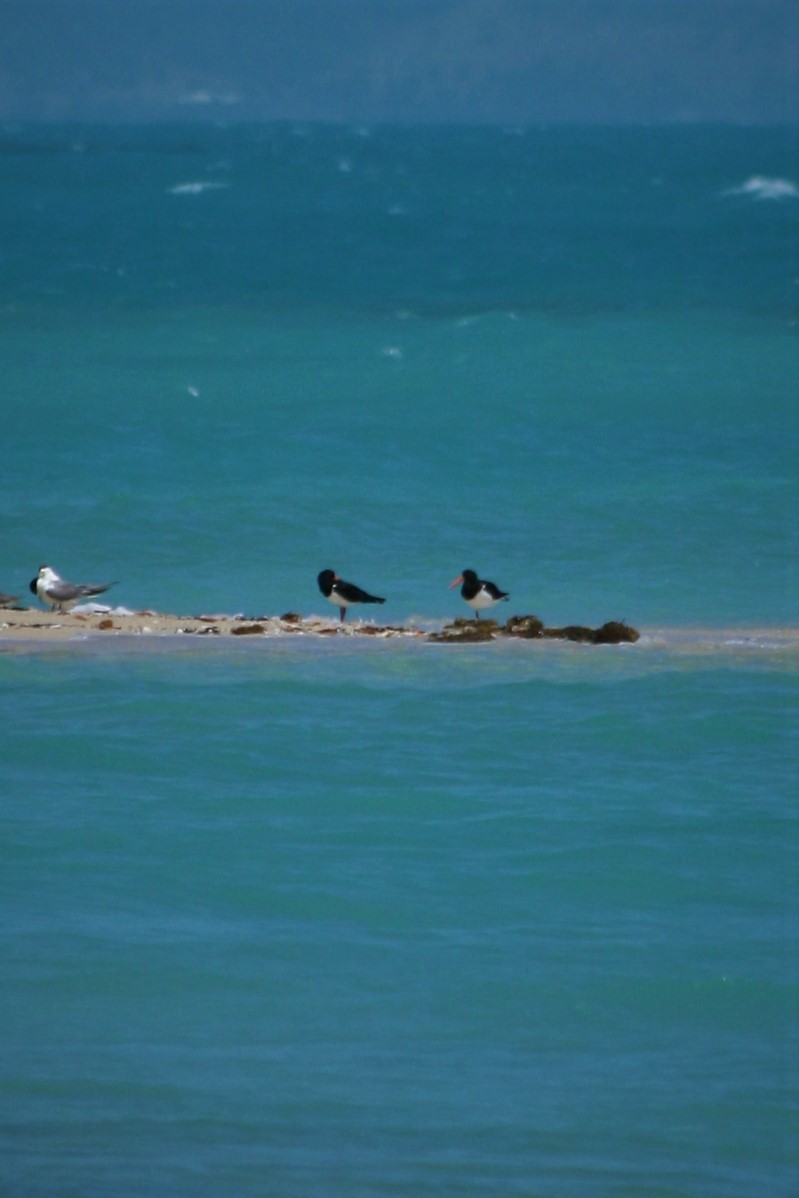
pixel 478 592
pixel 342 594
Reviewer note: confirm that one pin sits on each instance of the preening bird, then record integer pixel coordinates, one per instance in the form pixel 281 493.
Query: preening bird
pixel 60 595
pixel 342 594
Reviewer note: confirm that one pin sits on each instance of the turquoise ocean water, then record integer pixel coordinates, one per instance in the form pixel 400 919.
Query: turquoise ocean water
pixel 371 918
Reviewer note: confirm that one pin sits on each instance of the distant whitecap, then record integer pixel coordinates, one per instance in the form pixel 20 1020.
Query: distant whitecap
pixel 202 96
pixel 195 189
pixel 759 187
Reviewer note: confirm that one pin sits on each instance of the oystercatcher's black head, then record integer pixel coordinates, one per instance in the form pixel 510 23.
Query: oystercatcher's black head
pixel 326 580
pixel 466 576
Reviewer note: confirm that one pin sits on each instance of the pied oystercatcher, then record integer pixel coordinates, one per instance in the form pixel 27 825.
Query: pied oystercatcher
pixel 478 592
pixel 341 593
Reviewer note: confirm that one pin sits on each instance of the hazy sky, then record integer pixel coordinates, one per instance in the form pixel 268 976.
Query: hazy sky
pixel 508 61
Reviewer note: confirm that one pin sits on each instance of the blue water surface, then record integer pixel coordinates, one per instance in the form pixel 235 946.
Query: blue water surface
pixel 344 918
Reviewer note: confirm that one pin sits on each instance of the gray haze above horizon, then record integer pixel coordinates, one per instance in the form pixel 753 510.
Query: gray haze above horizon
pixel 497 61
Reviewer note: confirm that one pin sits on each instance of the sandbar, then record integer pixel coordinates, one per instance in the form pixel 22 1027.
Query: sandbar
pixel 20 624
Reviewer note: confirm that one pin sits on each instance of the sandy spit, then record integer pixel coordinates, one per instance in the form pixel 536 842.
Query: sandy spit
pixel 29 624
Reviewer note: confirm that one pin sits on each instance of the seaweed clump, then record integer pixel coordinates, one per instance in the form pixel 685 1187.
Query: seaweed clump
pixel 465 632
pixel 469 632
pixel 614 632
pixel 528 627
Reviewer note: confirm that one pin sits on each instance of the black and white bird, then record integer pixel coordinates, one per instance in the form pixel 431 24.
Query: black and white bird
pixel 60 595
pixel 342 594
pixel 478 592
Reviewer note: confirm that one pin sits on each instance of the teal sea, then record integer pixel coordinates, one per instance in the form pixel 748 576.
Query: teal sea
pixel 351 918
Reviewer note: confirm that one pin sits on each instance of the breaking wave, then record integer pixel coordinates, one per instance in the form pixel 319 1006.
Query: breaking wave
pixel 759 187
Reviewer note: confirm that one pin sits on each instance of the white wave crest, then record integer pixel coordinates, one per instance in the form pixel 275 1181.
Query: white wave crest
pixel 194 189
pixel 761 188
